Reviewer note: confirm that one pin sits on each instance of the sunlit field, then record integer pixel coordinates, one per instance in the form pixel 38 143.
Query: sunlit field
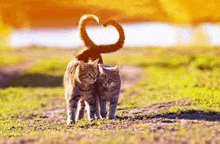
pixel 177 100
pixel 168 95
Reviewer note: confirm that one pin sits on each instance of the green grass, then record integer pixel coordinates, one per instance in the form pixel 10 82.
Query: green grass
pixel 171 78
pixel 14 101
pixel 164 85
pixel 54 66
pixel 10 60
pixel 171 75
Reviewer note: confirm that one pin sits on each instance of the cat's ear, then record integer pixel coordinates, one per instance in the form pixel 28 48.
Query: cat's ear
pixel 82 64
pixel 95 63
pixel 116 69
pixel 101 70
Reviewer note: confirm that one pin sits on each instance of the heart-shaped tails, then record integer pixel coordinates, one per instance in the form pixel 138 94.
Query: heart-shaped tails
pixel 100 48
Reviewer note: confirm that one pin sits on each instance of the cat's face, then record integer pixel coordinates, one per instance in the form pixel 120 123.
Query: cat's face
pixel 87 73
pixel 109 77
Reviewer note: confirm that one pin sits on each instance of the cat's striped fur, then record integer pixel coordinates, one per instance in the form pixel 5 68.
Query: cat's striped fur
pixel 109 84
pixel 79 85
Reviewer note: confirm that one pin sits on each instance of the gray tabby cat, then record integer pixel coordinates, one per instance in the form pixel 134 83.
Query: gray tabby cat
pixel 80 91
pixel 109 84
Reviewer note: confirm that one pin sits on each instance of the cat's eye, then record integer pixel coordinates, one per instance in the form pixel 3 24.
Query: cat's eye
pixel 109 81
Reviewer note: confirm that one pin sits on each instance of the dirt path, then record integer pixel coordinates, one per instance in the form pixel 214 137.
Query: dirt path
pixel 129 75
pixel 149 117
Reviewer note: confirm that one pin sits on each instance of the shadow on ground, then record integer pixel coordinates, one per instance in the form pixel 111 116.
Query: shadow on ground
pixel 32 80
pixel 184 115
pixel 192 115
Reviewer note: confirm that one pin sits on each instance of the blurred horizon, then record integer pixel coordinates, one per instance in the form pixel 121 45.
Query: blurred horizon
pixel 137 35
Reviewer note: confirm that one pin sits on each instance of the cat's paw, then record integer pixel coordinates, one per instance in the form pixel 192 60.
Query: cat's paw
pixel 91 119
pixel 112 118
pixel 103 118
pixel 70 122
pixel 98 118
pixel 103 115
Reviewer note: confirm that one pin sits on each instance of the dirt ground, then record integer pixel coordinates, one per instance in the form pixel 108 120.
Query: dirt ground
pixel 129 76
pixel 158 123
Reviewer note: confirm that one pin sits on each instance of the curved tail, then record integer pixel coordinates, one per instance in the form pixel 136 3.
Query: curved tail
pixel 116 46
pixel 82 28
pixel 100 48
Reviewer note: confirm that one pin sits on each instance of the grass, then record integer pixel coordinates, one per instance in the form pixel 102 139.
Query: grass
pixel 164 85
pixel 10 60
pixel 171 76
pixel 54 66
pixel 15 101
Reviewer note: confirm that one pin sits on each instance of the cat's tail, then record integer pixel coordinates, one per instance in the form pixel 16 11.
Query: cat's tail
pixel 100 48
pixel 116 46
pixel 82 29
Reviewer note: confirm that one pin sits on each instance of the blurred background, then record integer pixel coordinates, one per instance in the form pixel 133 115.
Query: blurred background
pixel 163 23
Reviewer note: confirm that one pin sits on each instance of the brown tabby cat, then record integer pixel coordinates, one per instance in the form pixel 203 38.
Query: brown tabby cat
pixel 93 51
pixel 79 87
pixel 109 84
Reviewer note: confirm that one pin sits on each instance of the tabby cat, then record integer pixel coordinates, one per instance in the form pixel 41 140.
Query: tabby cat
pixel 109 84
pixel 80 90
pixel 93 51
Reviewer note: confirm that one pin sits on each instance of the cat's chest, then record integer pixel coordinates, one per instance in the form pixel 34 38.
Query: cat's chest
pixel 86 95
pixel 110 89
pixel 108 93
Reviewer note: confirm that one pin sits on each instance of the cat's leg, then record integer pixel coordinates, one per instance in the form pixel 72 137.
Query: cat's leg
pixel 103 110
pixel 80 110
pixel 97 111
pixel 71 109
pixel 113 107
pixel 91 109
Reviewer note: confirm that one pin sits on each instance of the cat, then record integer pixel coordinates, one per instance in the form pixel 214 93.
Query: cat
pixel 93 51
pixel 109 84
pixel 80 90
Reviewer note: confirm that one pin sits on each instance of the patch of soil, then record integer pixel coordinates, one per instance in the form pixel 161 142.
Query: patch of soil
pixel 150 116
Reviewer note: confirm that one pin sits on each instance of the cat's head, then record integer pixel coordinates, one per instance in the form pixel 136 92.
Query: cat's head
pixel 109 76
pixel 86 73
